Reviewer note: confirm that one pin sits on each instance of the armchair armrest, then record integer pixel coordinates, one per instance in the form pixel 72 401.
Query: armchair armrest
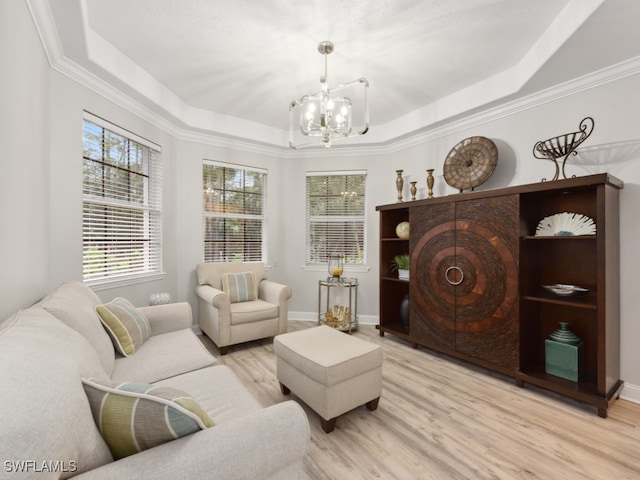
pixel 274 292
pixel 169 317
pixel 259 445
pixel 213 296
pixel 214 314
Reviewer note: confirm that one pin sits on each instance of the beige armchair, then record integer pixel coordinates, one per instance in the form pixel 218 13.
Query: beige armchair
pixel 229 323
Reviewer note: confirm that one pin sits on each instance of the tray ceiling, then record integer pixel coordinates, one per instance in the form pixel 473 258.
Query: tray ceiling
pixel 232 68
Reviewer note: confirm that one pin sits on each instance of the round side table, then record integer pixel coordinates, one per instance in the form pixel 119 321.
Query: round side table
pixel 338 303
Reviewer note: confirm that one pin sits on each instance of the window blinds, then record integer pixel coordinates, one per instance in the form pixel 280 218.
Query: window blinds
pixel 233 202
pixel 336 216
pixel 122 204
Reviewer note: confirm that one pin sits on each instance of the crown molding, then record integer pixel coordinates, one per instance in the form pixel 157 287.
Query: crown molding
pixel 587 82
pixel 45 27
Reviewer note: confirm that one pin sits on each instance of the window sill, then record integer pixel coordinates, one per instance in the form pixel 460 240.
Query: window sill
pixel 346 269
pixel 106 284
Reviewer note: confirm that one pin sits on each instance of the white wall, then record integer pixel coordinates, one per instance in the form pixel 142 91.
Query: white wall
pixel 40 182
pixel 24 145
pixel 41 175
pixel 68 100
pixel 614 147
pixel 188 179
pixel 304 303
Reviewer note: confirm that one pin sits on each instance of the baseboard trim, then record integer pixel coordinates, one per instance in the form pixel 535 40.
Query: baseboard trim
pixel 630 393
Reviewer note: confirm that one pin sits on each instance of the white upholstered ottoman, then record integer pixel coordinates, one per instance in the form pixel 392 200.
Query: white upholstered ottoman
pixel 330 371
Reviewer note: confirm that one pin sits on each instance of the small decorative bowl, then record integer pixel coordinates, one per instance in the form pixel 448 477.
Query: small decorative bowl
pixel 565 290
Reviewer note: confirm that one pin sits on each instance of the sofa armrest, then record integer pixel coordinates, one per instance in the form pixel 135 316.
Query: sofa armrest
pixel 258 445
pixel 169 317
pixel 274 292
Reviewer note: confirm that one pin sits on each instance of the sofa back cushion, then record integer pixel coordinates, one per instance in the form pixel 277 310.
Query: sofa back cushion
pixel 74 304
pixel 211 273
pixel 44 412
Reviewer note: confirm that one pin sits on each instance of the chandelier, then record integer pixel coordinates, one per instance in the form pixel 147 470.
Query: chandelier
pixel 327 116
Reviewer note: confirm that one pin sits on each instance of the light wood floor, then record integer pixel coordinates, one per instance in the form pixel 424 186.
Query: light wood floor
pixel 443 419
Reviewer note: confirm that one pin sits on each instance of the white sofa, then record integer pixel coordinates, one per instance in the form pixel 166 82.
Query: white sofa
pixel 47 429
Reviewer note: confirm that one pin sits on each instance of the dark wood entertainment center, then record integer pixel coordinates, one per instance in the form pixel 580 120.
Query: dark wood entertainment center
pixel 476 276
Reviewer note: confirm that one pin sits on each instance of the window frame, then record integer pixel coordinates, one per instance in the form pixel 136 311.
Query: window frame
pixel 150 209
pixel 262 217
pixel 362 266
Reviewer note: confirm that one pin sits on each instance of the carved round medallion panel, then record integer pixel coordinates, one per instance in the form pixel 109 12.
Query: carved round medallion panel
pixel 461 267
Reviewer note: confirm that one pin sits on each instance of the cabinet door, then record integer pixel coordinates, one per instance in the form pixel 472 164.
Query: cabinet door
pixel 464 270
pixel 487 296
pixel 432 253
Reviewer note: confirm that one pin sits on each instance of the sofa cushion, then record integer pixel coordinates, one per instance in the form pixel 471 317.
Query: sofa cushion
pixel 241 287
pixel 127 327
pixel 163 356
pixel 133 417
pixel 227 400
pixel 44 412
pixel 74 304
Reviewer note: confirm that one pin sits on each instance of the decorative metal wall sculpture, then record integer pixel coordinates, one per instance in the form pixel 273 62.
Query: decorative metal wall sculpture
pixel 470 163
pixel 563 146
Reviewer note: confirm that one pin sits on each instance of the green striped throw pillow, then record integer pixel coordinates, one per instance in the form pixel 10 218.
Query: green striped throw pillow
pixel 241 287
pixel 127 327
pixel 137 416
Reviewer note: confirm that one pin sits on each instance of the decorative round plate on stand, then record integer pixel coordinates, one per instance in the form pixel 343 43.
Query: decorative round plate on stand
pixel 470 163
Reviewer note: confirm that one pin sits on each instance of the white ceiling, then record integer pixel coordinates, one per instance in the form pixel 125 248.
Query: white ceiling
pixel 233 66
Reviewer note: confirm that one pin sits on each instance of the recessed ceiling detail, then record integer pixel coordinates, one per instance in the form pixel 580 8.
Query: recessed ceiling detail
pixel 231 68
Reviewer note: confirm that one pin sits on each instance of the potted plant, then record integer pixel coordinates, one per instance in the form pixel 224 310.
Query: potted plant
pixel 401 263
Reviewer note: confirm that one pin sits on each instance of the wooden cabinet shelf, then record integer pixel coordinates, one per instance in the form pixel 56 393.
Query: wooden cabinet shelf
pixel 477 270
pixel 586 301
pixel 394 279
pixel 560 238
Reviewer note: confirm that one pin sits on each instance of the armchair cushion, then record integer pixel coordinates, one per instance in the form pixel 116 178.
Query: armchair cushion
pixel 133 417
pixel 127 327
pixel 255 311
pixel 241 287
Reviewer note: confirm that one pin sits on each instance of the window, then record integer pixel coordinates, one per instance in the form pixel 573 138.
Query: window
pixel 233 200
pixel 336 216
pixel 122 198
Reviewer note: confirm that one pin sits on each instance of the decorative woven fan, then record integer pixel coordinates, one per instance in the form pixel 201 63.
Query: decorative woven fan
pixel 566 224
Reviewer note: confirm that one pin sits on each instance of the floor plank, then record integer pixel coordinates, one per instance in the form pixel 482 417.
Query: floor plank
pixel 439 418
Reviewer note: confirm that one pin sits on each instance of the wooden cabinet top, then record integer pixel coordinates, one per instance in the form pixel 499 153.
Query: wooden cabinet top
pixel 539 187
